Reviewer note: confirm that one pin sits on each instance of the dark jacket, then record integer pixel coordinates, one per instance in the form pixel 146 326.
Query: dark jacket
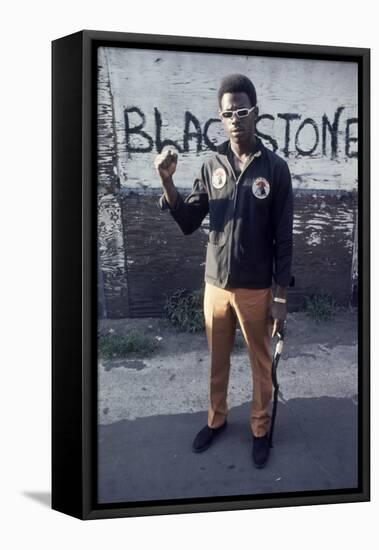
pixel 250 218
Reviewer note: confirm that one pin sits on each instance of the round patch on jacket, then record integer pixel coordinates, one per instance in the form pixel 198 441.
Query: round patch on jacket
pixel 260 188
pixel 219 178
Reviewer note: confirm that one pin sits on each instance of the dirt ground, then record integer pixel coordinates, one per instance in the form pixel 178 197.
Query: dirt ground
pixel 301 330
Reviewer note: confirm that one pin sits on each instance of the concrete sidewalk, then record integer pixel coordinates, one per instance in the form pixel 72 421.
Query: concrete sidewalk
pixel 151 409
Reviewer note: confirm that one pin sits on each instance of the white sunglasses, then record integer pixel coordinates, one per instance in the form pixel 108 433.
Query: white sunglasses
pixel 241 113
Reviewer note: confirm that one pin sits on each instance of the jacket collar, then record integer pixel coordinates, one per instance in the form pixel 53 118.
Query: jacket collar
pixel 224 148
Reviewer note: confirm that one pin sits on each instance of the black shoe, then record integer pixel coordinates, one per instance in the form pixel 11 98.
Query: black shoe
pixel 261 450
pixel 204 438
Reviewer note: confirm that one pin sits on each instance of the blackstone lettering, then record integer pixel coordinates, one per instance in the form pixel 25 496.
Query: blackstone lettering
pixel 210 144
pixel 190 119
pixel 160 144
pixel 312 123
pixel 333 129
pixel 136 130
pixel 195 137
pixel 288 117
pixel 260 134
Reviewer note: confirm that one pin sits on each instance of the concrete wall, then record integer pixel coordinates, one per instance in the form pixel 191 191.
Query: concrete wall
pixel 151 99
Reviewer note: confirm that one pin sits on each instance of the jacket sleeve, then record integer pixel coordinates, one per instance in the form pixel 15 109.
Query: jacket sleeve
pixel 189 213
pixel 283 225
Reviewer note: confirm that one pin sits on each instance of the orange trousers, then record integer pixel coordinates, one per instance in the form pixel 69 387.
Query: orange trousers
pixel 222 309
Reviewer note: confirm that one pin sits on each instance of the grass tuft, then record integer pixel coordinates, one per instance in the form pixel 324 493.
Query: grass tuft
pixel 184 309
pixel 320 307
pixel 135 344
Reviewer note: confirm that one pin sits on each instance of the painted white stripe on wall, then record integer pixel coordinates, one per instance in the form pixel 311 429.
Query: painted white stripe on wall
pixel 173 83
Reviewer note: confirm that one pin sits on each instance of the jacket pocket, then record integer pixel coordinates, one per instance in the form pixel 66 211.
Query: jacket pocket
pixel 216 256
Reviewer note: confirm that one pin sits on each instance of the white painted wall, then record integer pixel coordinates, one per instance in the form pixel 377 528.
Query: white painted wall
pixel 176 82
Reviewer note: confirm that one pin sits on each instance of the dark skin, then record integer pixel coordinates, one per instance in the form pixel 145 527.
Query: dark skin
pixel 241 133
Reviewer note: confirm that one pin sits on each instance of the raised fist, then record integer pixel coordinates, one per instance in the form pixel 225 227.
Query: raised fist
pixel 165 164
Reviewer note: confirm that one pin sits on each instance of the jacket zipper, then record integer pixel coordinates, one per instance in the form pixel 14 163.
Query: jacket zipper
pixel 255 155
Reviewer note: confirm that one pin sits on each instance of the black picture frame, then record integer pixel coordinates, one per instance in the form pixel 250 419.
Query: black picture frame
pixel 74 273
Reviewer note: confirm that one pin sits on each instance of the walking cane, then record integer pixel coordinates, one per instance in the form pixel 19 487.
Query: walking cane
pixel 275 361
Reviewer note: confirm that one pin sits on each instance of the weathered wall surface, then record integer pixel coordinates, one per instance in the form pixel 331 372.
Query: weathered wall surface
pixel 148 100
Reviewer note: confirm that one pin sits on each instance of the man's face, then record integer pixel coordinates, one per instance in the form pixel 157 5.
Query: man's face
pixel 239 130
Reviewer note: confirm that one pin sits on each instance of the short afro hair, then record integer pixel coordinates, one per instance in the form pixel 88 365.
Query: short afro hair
pixel 236 83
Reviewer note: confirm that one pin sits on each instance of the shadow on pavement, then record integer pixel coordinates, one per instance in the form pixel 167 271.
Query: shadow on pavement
pixel 315 448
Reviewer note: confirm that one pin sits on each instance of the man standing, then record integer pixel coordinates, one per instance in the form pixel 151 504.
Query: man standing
pixel 247 191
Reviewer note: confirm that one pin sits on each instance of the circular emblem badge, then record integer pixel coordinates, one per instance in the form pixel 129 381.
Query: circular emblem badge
pixel 219 178
pixel 261 188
